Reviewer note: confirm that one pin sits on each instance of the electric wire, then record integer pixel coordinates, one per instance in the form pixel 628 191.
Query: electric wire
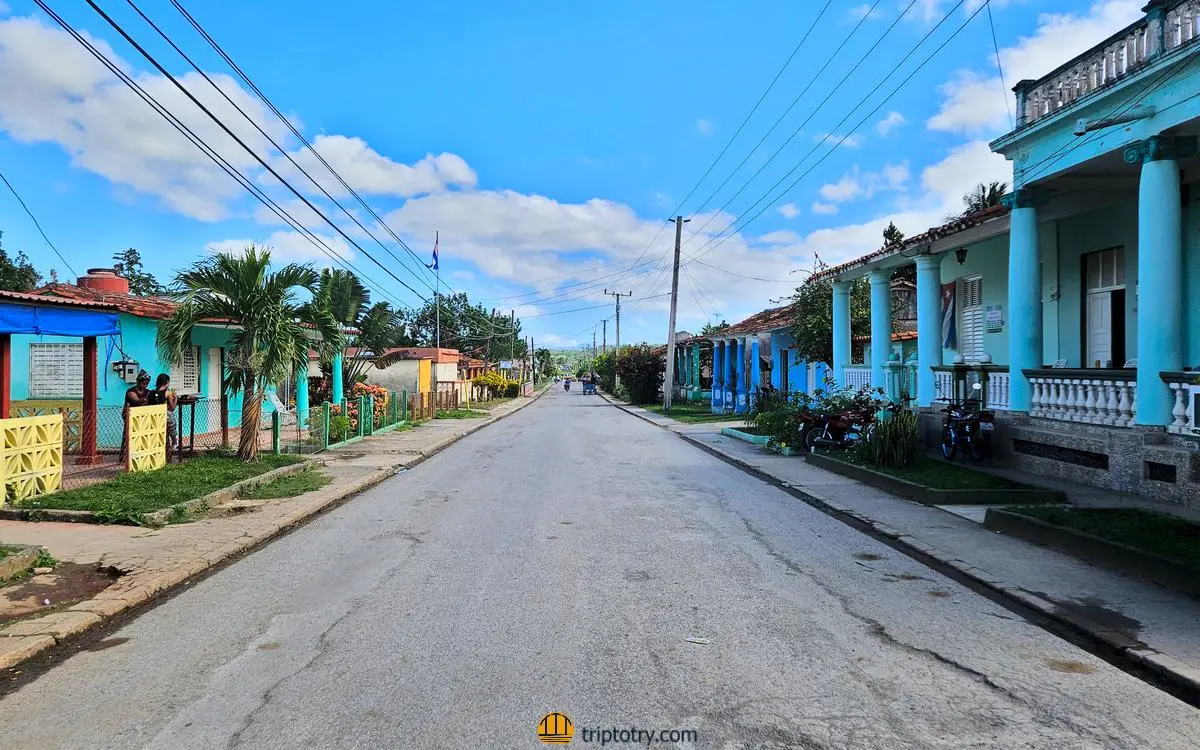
pixel 36 223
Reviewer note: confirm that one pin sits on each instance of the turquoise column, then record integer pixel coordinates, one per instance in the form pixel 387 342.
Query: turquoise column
pixel 755 365
pixel 881 326
pixel 718 404
pixel 841 330
pixel 696 371
pixel 1160 271
pixel 744 370
pixel 1024 296
pixel 301 376
pixel 727 367
pixel 777 365
pixel 338 392
pixel 929 326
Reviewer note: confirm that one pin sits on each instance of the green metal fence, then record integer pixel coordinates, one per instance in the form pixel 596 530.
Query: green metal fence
pixel 327 425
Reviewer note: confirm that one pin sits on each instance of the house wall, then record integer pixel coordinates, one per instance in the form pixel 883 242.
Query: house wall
pixel 401 375
pixel 797 368
pixel 1110 226
pixel 989 259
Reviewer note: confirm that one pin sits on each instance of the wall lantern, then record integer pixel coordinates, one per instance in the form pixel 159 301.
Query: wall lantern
pixel 961 254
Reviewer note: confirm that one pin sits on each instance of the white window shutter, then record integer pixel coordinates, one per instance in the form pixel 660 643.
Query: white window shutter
pixel 185 377
pixel 56 371
pixel 970 343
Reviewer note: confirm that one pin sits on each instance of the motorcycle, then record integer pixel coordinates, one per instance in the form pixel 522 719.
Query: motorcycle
pixel 567 386
pixel 844 430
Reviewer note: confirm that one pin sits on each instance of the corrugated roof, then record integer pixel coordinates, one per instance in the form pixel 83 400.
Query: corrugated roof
pixel 40 299
pixel 953 226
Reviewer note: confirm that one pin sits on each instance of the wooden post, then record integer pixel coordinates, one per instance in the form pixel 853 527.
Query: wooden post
pixel 88 417
pixel 275 437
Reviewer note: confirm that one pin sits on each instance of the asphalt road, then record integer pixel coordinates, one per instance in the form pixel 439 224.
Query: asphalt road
pixel 568 559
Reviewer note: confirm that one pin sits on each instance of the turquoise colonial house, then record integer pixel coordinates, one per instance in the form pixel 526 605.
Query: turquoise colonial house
pixel 1078 301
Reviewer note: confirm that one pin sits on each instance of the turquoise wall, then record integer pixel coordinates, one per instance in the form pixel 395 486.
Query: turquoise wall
pixel 989 259
pixel 1110 226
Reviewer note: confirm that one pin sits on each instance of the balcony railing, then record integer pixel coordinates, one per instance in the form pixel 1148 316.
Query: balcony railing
pixel 998 383
pixel 857 376
pixel 1185 388
pixel 1104 397
pixel 1108 62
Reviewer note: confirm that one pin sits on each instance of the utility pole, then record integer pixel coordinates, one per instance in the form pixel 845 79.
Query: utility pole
pixel 618 296
pixel 669 381
pixel 592 367
pixel 604 341
pixel 512 329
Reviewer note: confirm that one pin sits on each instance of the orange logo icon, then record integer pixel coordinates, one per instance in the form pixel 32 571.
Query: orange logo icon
pixel 555 729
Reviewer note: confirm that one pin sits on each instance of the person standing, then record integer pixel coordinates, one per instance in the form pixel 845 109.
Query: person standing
pixel 163 393
pixel 136 395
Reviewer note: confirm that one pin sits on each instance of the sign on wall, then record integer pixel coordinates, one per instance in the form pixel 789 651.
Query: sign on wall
pixel 506 364
pixel 995 319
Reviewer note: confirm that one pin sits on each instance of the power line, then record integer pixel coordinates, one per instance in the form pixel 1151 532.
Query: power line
pixel 263 162
pixel 808 119
pixel 295 131
pixel 20 200
pixel 578 309
pixel 742 275
pixel 787 111
pixel 207 150
pixel 1003 86
pixel 718 240
pixel 270 139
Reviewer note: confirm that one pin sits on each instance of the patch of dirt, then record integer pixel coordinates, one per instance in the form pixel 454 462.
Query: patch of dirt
pixel 1069 666
pixel 868 556
pixel 939 593
pixel 69 584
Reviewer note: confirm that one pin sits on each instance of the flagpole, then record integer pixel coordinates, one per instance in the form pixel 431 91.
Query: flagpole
pixel 437 295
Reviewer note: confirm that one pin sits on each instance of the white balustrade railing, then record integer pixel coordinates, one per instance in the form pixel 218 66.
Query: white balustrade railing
pixel 857 377
pixel 1111 60
pixel 1099 399
pixel 943 385
pixel 999 388
pixel 1185 390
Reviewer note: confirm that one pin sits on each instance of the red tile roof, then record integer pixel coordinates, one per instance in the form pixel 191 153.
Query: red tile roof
pixel 761 322
pixel 953 226
pixel 157 308
pixel 897 336
pixel 41 299
pixel 439 356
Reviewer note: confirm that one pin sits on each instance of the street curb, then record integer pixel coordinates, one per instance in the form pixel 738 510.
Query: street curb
pixel 35 636
pixel 1177 678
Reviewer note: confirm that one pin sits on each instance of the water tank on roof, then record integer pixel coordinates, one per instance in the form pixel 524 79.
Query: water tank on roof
pixel 104 280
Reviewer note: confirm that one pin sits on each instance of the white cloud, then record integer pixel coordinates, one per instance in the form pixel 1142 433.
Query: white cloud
pixel 855 184
pixel 824 208
pixel 847 141
pixel 780 237
pixel 289 247
pixel 865 11
pixel 554 341
pixel 789 210
pixel 54 91
pixel 941 189
pixel 976 102
pixel 889 123
pixel 368 171
pixel 705 127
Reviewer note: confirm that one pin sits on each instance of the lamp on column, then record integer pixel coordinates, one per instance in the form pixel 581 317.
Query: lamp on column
pixel 961 255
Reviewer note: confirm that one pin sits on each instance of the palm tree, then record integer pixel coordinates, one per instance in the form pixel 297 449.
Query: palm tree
pixel 984 196
pixel 269 329
pixel 379 328
pixel 342 293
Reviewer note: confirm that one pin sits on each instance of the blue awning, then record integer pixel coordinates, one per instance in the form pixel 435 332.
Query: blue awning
pixel 57 321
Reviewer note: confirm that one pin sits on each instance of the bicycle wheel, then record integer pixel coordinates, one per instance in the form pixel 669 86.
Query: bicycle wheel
pixel 949 443
pixel 976 446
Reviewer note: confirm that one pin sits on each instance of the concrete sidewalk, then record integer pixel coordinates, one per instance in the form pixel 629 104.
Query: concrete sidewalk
pixel 1156 626
pixel 153 560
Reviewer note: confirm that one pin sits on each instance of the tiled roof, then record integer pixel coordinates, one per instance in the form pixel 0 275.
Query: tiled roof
pixel 439 356
pixel 767 320
pixel 44 300
pixel 953 226
pixel 157 308
pixel 897 336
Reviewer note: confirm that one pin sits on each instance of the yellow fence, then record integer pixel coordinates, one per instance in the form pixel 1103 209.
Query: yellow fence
pixel 147 430
pixel 31 456
pixel 72 410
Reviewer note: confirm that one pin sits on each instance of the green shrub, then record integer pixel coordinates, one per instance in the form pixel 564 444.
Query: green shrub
pixel 893 441
pixel 512 389
pixel 606 371
pixel 339 428
pixel 641 372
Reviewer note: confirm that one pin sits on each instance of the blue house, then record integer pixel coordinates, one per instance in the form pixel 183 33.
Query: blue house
pixel 760 344
pixel 1078 301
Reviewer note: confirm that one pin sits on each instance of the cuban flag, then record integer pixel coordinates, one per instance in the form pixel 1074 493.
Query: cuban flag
pixel 949 329
pixel 434 264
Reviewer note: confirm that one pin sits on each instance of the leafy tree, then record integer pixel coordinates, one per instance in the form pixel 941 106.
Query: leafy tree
pixel 892 235
pixel 813 324
pixel 17 274
pixel 468 327
pixel 984 196
pixel 606 370
pixel 547 365
pixel 270 340
pixel 342 293
pixel 710 329
pixel 141 283
pixel 641 372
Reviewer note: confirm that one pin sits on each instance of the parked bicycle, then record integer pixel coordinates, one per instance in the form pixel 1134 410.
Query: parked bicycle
pixel 968 426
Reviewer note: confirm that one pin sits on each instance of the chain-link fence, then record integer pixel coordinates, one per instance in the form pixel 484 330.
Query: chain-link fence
pixel 327 425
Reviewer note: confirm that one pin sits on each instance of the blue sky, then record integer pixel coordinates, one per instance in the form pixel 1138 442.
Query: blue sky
pixel 545 141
